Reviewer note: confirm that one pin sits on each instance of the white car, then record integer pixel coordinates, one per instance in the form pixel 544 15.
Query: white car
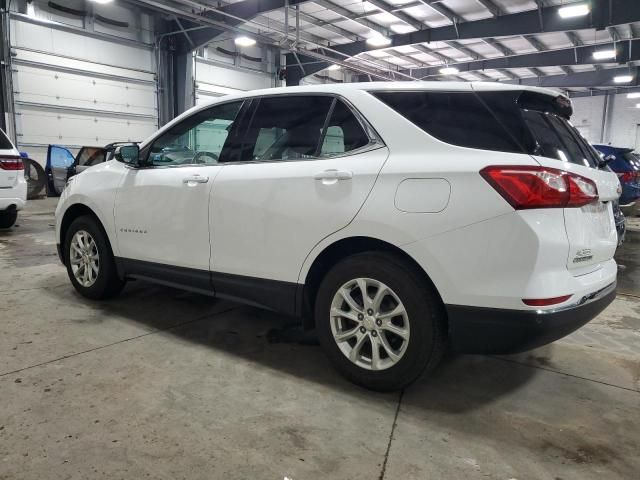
pixel 396 218
pixel 13 185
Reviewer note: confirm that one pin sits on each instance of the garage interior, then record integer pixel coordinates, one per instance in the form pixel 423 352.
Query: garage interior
pixel 161 383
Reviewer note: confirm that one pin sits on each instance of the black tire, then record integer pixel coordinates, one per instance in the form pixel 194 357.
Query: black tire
pixel 8 218
pixel 427 319
pixel 107 283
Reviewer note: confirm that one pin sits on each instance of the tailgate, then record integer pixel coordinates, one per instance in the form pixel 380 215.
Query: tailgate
pixel 591 229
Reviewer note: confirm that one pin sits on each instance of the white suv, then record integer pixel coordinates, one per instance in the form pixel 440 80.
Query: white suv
pixel 395 218
pixel 13 186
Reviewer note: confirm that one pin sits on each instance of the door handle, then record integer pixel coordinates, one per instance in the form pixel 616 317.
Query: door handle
pixel 195 179
pixel 333 175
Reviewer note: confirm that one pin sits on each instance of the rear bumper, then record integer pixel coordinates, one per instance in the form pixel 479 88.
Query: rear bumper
pixel 14 197
pixel 503 331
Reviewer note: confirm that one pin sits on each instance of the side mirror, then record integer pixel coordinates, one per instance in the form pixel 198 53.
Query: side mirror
pixel 128 154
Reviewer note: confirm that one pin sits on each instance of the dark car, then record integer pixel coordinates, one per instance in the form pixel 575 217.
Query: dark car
pixel 626 163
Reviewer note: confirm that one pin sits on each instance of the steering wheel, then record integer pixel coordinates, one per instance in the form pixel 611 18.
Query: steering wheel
pixel 198 157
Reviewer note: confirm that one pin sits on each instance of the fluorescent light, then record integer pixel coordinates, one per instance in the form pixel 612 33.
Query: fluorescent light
pixel 622 79
pixel 633 95
pixel 577 10
pixel 449 71
pixel 102 1
pixel 31 10
pixel 334 67
pixel 401 28
pixel 244 41
pixel 604 54
pixel 637 105
pixel 378 41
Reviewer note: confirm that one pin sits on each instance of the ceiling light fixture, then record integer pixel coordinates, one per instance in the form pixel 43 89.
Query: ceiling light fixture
pixel 623 79
pixel 577 10
pixel 334 67
pixel 637 105
pixel 633 95
pixel 604 54
pixel 449 71
pixel 244 41
pixel 378 41
pixel 102 1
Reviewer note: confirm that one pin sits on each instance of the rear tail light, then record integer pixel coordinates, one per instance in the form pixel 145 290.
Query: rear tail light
pixel 545 302
pixel 11 162
pixel 540 187
pixel 629 177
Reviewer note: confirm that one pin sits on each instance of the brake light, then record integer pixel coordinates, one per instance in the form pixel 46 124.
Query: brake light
pixel 545 302
pixel 540 187
pixel 11 162
pixel 629 176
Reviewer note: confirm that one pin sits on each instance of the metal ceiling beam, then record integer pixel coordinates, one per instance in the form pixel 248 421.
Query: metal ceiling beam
pixel 534 42
pixel 349 15
pixel 434 54
pixel 461 48
pixel 400 15
pixel 574 39
pixel 635 31
pixel 627 51
pixel 329 26
pixel 521 23
pixel 443 10
pixel 602 78
pixel 494 9
pixel 499 47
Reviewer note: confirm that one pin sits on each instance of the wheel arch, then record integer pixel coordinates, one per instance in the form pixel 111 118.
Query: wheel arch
pixel 336 252
pixel 75 211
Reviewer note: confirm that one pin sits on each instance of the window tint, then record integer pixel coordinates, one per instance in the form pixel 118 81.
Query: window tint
pixel 91 156
pixel 285 128
pixel 344 132
pixel 458 118
pixel 5 144
pixel 198 139
pixel 556 138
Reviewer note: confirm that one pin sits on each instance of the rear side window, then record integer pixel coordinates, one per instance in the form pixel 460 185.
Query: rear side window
pixel 344 132
pixel 458 118
pixel 89 156
pixel 5 144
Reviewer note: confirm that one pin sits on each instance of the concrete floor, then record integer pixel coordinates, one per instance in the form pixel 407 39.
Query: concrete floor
pixel 165 384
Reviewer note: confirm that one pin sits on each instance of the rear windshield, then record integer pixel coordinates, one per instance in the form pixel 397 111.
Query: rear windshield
pixel 5 144
pixel 633 159
pixel 512 121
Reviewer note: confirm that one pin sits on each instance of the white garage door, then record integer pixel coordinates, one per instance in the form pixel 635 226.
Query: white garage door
pixel 74 90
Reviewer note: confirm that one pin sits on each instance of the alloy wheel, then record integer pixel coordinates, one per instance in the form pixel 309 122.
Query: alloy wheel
pixel 84 258
pixel 369 324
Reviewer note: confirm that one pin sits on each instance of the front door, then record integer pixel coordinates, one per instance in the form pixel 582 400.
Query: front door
pixel 296 179
pixel 162 209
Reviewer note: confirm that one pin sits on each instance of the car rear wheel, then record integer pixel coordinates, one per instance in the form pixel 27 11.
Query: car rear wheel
pixel 8 218
pixel 380 321
pixel 89 260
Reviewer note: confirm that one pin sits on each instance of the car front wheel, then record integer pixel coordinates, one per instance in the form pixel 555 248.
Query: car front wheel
pixel 380 321
pixel 89 260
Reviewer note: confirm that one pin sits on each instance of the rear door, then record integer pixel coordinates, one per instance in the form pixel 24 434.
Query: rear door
pixel 60 163
pixel 296 178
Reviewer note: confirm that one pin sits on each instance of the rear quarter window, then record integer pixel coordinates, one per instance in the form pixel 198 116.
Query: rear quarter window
pixel 5 144
pixel 457 118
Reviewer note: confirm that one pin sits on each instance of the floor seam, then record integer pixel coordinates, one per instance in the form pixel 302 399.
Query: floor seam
pixel 565 374
pixel 383 470
pixel 70 355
